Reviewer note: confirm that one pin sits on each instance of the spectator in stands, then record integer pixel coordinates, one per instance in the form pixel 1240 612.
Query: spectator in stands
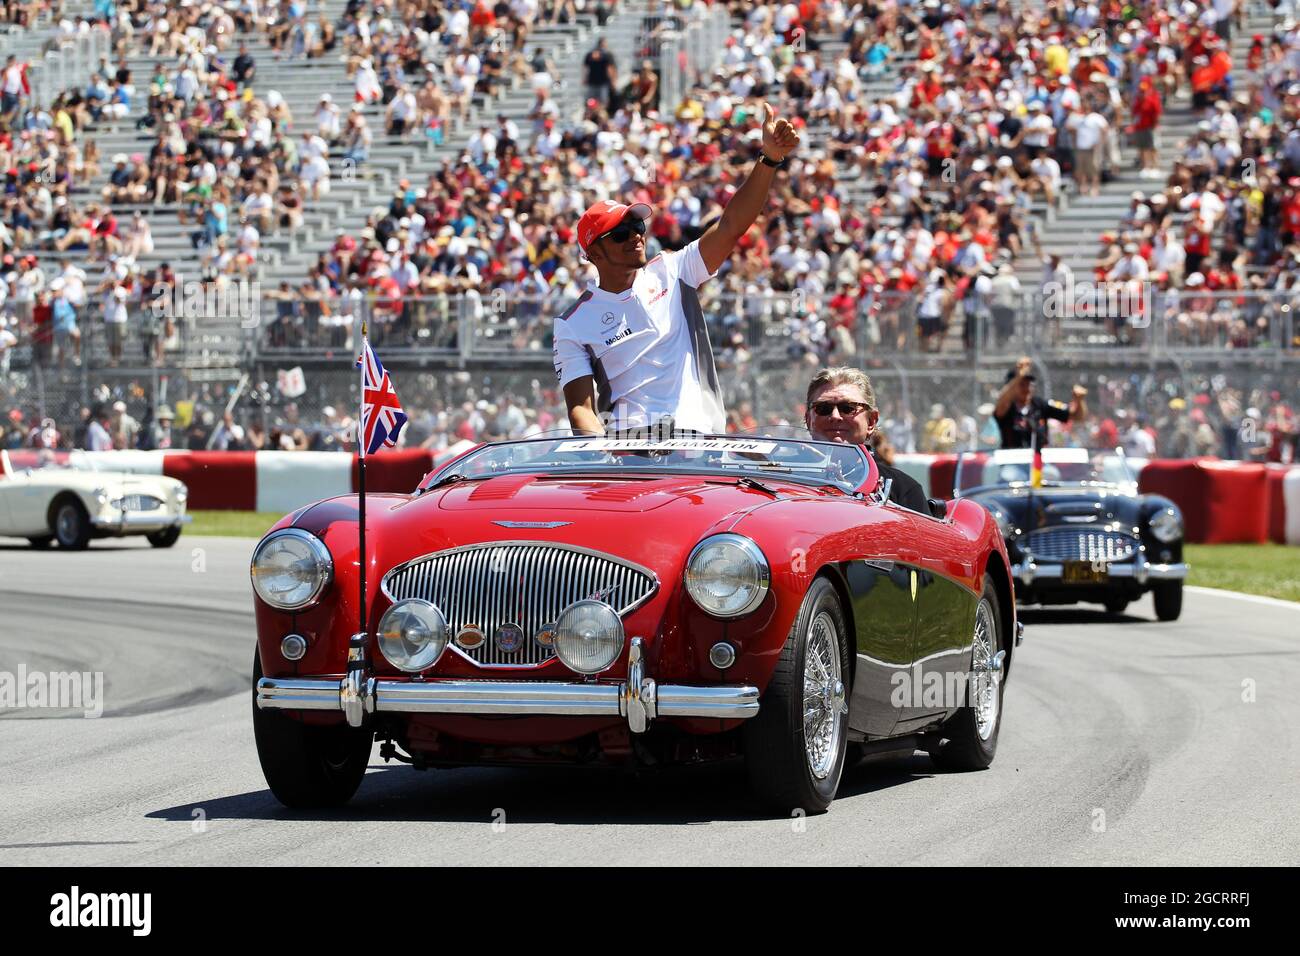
pixel 601 73
pixel 1022 416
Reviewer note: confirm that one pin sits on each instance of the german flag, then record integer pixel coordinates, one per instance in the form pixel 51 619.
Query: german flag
pixel 1036 469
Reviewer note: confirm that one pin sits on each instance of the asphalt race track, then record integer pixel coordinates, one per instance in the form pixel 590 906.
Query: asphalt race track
pixel 1124 741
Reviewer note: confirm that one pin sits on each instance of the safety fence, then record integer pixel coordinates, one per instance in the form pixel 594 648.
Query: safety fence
pixel 840 322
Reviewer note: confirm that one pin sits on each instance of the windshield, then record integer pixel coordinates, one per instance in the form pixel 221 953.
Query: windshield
pixel 1012 468
pixel 810 462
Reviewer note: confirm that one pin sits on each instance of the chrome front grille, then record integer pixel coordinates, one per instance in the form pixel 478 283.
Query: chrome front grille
pixel 139 503
pixel 517 582
pixel 1075 544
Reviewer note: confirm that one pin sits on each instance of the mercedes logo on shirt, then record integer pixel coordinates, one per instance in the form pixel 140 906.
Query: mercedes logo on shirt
pixel 609 318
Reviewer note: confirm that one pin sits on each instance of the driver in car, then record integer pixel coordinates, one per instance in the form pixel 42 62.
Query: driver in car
pixel 842 408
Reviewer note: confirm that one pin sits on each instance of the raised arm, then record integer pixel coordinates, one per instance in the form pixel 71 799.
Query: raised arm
pixel 718 242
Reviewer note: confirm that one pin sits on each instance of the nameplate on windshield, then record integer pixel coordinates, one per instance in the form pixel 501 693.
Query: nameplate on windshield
pixel 668 444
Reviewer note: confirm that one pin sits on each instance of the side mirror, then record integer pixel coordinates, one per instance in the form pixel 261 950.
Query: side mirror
pixel 938 507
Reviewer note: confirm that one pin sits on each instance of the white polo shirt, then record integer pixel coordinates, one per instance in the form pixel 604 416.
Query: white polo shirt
pixel 648 348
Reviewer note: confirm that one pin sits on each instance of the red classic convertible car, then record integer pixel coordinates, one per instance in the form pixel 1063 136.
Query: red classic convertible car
pixel 632 602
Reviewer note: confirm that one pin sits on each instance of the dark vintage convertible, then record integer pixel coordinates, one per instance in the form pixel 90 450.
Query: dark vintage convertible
pixel 1082 533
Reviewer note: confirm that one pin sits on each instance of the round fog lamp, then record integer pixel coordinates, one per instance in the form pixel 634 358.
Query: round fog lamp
pixel 412 635
pixel 588 636
pixel 293 647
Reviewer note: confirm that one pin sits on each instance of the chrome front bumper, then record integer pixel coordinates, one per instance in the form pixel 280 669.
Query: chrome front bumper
pixel 1028 572
pixel 640 699
pixel 140 521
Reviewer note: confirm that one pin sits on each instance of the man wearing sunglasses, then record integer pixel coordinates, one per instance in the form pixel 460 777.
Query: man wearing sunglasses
pixel 842 408
pixel 634 351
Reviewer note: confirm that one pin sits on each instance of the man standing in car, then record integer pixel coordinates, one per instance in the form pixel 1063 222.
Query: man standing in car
pixel 842 408
pixel 634 348
pixel 1022 416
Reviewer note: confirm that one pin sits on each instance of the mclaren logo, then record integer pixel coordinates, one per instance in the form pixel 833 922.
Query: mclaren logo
pixel 532 524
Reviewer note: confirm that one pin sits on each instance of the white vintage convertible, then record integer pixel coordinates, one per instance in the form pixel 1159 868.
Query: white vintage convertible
pixel 71 498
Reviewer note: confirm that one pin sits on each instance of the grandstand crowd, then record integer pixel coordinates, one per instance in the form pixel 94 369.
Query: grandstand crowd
pixel 900 225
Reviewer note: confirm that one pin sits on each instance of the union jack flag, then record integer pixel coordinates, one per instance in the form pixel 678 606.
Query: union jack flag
pixel 382 417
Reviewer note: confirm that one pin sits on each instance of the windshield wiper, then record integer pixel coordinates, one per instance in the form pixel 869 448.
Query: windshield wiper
pixel 452 479
pixel 746 482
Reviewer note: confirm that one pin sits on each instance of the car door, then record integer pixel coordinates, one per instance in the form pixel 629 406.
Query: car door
pixel 884 611
pixel 945 623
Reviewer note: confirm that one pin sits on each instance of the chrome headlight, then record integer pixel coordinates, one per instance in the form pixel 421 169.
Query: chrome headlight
pixel 1002 521
pixel 1166 525
pixel 291 568
pixel 101 496
pixel 727 575
pixel 588 636
pixel 182 494
pixel 413 635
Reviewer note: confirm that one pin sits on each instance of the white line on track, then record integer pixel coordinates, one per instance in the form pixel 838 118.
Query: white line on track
pixel 1253 598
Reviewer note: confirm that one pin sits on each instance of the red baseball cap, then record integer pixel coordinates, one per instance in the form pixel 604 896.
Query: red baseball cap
pixel 604 216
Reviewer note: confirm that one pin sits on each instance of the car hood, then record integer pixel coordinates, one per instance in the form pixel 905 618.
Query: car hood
pixel 1052 507
pixel 599 495
pixel 651 522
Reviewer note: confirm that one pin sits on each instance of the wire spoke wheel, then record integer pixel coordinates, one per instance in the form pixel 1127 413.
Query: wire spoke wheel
pixel 985 673
pixel 823 695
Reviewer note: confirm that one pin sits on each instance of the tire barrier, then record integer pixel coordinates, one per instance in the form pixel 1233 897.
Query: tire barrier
pixel 219 480
pixel 396 471
pixel 289 480
pixel 1222 502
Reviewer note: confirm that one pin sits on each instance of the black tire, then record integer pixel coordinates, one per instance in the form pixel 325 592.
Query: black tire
pixel 962 747
pixel 41 542
pixel 71 525
pixel 308 766
pixel 1116 605
pixel 1168 598
pixel 775 754
pixel 165 538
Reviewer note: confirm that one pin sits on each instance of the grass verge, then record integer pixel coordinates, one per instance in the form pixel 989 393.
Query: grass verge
pixel 1272 570
pixel 232 524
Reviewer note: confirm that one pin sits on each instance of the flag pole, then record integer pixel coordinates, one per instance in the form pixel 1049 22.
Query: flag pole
pixel 361 484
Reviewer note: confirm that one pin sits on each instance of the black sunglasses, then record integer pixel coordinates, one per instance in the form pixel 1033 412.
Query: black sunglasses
pixel 623 231
pixel 846 408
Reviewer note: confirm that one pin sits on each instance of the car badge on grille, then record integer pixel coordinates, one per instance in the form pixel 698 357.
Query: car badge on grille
pixel 545 635
pixel 602 595
pixel 470 636
pixel 509 638
pixel 532 524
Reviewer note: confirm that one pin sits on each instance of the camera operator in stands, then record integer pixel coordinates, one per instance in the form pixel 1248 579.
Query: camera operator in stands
pixel 842 408
pixel 1021 414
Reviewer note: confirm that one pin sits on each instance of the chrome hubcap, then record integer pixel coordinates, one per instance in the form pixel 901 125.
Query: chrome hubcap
pixel 823 696
pixel 986 672
pixel 66 523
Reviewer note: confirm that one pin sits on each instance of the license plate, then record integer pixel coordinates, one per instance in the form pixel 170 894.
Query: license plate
pixel 1084 572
